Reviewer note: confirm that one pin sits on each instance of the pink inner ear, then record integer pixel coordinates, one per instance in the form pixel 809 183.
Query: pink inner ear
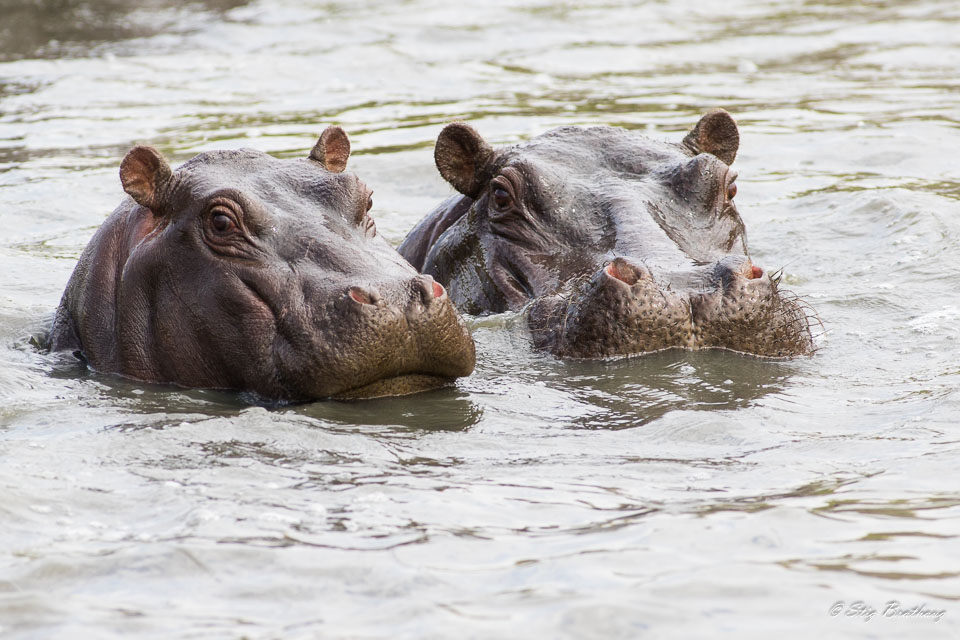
pixel 134 173
pixel 460 155
pixel 137 185
pixel 332 149
pixel 337 152
pixel 143 172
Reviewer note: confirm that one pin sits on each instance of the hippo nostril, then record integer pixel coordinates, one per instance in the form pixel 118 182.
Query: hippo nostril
pixel 429 289
pixel 364 295
pixel 624 271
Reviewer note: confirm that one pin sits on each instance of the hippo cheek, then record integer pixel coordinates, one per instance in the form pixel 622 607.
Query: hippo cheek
pixel 194 328
pixel 749 315
pixel 620 311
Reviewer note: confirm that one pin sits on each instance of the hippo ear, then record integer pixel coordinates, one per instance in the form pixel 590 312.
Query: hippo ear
pixel 716 133
pixel 462 156
pixel 145 174
pixel 332 149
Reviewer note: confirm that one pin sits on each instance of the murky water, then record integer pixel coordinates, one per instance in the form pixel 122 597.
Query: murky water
pixel 680 495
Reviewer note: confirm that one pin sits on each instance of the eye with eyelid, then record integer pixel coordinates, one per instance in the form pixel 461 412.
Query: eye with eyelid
pixel 731 180
pixel 222 223
pixel 364 203
pixel 222 220
pixel 369 227
pixel 501 198
pixel 224 229
pixel 364 219
pixel 502 195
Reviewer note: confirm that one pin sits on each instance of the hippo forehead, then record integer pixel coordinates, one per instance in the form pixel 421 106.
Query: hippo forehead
pixel 293 183
pixel 299 212
pixel 596 187
pixel 590 193
pixel 276 192
pixel 590 153
pixel 581 181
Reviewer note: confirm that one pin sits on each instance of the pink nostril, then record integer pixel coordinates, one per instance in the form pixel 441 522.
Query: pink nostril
pixel 364 295
pixel 623 271
pixel 429 289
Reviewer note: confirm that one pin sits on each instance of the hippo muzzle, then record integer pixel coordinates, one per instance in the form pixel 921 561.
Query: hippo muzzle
pixel 624 309
pixel 392 338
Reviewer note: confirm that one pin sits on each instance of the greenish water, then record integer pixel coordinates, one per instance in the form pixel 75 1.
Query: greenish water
pixel 678 495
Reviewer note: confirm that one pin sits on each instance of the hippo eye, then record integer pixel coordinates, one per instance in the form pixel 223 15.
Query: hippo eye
pixel 732 190
pixel 363 218
pixel 223 229
pixel 501 198
pixel 369 227
pixel 222 223
pixel 222 220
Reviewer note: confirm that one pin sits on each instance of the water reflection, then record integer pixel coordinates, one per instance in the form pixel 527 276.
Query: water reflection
pixel 761 502
pixel 901 508
pixel 64 28
pixel 630 392
pixel 143 397
pixel 447 409
pixel 524 486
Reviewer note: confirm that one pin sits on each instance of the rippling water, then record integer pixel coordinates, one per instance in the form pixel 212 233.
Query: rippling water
pixel 681 495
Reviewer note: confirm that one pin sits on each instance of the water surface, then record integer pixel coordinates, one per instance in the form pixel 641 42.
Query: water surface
pixel 678 495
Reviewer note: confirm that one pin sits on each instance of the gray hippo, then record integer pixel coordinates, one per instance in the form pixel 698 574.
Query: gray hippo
pixel 242 271
pixel 612 242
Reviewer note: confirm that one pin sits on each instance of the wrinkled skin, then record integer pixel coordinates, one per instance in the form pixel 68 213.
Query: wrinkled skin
pixel 242 271
pixel 613 243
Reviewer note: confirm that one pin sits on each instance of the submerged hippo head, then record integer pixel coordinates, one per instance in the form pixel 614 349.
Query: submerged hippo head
pixel 615 243
pixel 242 271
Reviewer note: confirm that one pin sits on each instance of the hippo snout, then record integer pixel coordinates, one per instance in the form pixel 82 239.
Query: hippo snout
pixel 393 336
pixel 626 307
pixel 629 273
pixel 425 291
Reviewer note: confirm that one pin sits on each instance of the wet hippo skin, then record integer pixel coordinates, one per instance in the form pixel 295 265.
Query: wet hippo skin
pixel 612 243
pixel 242 271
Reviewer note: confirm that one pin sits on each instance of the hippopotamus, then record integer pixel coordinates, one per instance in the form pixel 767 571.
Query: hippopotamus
pixel 243 271
pixel 612 243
